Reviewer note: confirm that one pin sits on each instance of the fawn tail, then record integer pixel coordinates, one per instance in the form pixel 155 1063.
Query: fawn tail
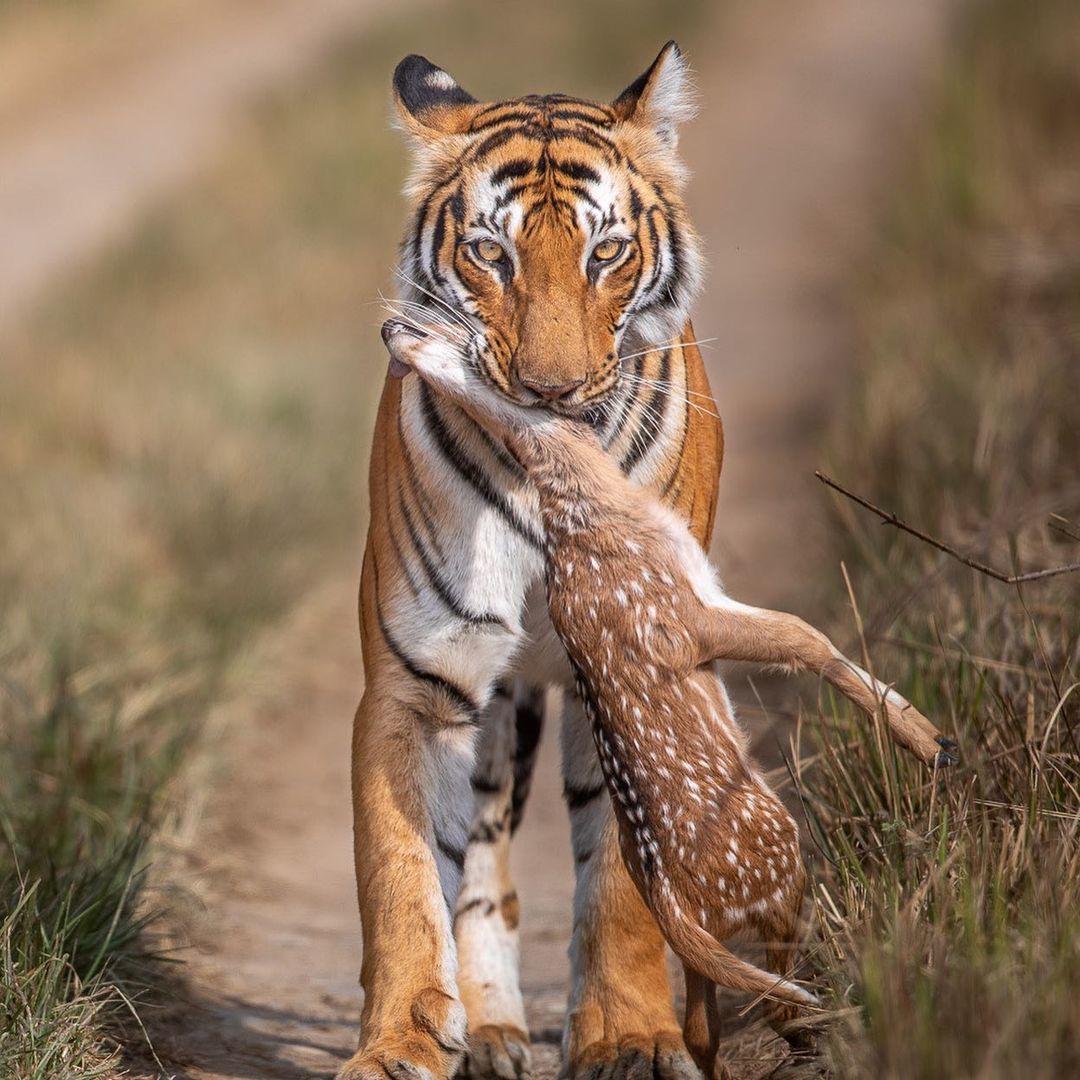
pixel 712 960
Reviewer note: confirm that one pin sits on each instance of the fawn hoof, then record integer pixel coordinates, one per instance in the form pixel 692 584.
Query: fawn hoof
pixel 949 754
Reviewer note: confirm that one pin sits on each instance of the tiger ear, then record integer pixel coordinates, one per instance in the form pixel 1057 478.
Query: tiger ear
pixel 429 101
pixel 661 97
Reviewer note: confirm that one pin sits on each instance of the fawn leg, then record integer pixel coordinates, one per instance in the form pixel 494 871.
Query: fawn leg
pixel 781 932
pixel 734 631
pixel 701 1026
pixel 781 935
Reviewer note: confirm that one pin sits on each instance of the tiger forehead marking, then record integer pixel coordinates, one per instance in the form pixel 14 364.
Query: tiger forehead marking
pixel 553 227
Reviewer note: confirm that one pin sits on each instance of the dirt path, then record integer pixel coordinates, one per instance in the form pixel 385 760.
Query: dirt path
pixel 74 177
pixel 802 103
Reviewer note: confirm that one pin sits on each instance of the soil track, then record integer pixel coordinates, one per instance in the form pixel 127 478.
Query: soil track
pixel 801 107
pixel 76 172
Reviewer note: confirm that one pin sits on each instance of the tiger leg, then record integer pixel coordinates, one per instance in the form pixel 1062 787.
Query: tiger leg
pixel 621 1019
pixel 412 802
pixel 486 918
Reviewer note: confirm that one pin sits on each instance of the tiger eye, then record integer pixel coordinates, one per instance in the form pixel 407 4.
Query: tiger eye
pixel 489 250
pixel 608 250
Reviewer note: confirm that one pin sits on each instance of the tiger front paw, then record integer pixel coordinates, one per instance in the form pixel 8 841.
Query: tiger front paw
pixel 428 1044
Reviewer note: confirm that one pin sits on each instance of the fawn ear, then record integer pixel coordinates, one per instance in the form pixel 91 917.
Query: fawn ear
pixel 661 97
pixel 430 103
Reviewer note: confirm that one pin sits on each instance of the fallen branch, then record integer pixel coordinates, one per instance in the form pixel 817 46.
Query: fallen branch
pixel 891 519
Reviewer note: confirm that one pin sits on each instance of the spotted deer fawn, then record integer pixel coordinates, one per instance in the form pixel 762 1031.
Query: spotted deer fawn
pixel 642 616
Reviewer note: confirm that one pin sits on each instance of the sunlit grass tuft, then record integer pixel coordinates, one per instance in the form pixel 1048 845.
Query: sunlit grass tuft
pixel 948 905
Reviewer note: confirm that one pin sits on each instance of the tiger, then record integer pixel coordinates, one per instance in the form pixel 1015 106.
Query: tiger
pixel 554 231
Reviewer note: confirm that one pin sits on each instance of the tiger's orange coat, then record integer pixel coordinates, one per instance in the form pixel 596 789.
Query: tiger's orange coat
pixel 454 551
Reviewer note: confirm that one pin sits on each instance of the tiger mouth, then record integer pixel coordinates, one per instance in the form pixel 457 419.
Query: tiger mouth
pixel 393 331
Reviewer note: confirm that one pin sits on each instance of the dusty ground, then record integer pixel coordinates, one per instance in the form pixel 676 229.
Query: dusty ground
pixel 800 111
pixel 801 106
pixel 73 177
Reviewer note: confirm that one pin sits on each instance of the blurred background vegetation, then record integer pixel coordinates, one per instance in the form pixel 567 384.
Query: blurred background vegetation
pixel 949 909
pixel 182 431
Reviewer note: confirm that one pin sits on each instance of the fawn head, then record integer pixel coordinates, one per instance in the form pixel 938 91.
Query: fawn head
pixel 448 360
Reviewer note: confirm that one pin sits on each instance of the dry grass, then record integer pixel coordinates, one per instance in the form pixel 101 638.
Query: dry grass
pixel 183 435
pixel 949 906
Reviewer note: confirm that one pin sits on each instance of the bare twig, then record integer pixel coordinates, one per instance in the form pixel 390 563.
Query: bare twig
pixel 1063 526
pixel 891 519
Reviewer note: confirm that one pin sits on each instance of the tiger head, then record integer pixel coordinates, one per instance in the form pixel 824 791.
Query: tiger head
pixel 554 228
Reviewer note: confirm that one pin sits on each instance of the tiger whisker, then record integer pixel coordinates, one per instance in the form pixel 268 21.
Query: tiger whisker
pixel 673 390
pixel 667 386
pixel 431 312
pixel 423 314
pixel 426 330
pixel 458 315
pixel 662 346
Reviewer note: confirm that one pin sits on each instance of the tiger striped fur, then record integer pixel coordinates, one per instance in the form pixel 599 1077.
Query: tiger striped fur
pixel 555 228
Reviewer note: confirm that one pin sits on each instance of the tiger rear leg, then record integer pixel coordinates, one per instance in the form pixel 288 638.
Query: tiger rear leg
pixel 486 919
pixel 621 1019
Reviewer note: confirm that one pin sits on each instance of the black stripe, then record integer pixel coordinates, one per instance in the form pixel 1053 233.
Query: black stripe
pixel 513 192
pixel 416 485
pixel 438 581
pixel 628 402
pixel 529 721
pixel 500 137
pixel 593 138
pixel 453 692
pixel 512 170
pixel 577 170
pixel 472 905
pixel 684 435
pixel 651 419
pixel 455 855
pixel 577 797
pixel 406 569
pixel 437 236
pixel 487 832
pixel 567 115
pixel 471 472
pixel 501 454
pixel 580 193
pixel 515 116
pixel 658 261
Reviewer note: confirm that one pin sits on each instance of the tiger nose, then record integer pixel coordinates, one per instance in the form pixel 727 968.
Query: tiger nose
pixel 549 392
